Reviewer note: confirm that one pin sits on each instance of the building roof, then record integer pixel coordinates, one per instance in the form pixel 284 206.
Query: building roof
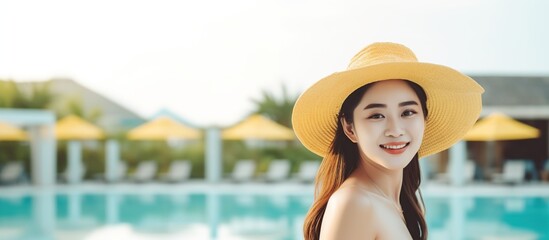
pixel 514 91
pixel 114 117
pixel 525 97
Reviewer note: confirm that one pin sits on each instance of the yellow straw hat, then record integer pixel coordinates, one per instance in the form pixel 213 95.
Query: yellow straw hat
pixel 453 99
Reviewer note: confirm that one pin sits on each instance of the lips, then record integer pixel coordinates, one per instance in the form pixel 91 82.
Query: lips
pixel 394 147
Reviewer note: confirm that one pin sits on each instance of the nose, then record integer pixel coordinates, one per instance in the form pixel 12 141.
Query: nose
pixel 394 128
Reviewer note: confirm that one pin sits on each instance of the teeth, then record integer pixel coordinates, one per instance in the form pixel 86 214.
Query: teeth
pixel 394 146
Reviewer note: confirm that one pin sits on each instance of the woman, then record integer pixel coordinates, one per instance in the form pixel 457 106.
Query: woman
pixel 372 123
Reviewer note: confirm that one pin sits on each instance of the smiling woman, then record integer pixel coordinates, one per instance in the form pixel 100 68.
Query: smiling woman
pixel 392 122
pixel 372 123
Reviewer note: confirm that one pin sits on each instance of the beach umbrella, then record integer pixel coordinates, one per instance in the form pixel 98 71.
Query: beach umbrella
pixel 75 128
pixel 258 127
pixel 498 126
pixel 163 128
pixel 9 132
pixel 256 130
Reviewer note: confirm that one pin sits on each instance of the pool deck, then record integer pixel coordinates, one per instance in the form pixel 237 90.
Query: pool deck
pixel 429 189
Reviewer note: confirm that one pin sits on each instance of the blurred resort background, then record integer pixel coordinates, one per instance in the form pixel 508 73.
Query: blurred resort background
pixel 77 165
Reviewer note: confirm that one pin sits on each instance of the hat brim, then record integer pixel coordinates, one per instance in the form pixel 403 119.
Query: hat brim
pixel 453 100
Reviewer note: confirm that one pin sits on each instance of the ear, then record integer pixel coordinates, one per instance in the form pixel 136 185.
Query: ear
pixel 349 130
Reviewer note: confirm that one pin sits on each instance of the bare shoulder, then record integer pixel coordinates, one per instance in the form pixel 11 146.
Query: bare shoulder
pixel 349 215
pixel 351 196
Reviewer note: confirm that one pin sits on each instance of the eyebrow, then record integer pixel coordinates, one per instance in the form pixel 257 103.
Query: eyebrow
pixel 380 105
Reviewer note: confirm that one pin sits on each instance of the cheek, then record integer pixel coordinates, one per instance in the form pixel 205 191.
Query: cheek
pixel 366 125
pixel 417 129
pixel 368 132
pixel 369 138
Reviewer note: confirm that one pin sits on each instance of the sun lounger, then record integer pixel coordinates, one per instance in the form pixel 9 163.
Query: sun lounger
pixel 307 171
pixel 146 171
pixel 468 173
pixel 78 177
pixel 278 170
pixel 514 172
pixel 11 173
pixel 118 175
pixel 121 172
pixel 244 170
pixel 179 170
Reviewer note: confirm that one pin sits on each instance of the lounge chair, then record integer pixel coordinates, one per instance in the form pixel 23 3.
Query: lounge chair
pixel 12 172
pixel 146 171
pixel 64 176
pixel 468 173
pixel 514 172
pixel 307 171
pixel 244 170
pixel 119 174
pixel 278 170
pixel 179 170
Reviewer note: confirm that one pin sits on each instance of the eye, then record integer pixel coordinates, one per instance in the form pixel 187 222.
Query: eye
pixel 408 113
pixel 376 116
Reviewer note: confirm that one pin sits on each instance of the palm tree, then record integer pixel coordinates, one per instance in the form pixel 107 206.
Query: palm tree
pixel 8 90
pixel 74 106
pixel 11 96
pixel 278 109
pixel 41 96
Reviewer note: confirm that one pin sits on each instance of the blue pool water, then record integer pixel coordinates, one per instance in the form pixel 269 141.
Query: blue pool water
pixel 228 216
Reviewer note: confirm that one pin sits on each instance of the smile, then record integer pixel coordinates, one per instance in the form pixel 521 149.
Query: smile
pixel 395 148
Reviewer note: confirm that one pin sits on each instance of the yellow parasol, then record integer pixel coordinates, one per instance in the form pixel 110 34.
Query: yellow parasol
pixel 258 127
pixel 9 132
pixel 498 126
pixel 162 128
pixel 75 128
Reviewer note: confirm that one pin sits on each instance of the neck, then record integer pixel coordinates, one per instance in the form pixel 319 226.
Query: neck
pixel 388 181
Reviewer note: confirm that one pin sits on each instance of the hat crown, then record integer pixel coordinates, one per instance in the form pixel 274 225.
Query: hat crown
pixel 384 52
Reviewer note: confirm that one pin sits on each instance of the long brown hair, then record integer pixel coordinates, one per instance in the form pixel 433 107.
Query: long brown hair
pixel 343 158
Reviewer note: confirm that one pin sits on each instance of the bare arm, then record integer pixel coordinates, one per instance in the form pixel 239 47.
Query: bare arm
pixel 348 215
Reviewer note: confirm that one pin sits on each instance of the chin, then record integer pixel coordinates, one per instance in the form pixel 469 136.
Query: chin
pixel 395 162
pixel 395 166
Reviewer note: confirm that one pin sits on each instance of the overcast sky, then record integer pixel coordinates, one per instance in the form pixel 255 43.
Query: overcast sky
pixel 206 60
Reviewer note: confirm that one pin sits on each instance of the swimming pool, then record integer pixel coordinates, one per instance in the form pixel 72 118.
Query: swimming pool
pixel 244 215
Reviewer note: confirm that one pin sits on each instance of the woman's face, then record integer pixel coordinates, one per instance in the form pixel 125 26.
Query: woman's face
pixel 388 124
